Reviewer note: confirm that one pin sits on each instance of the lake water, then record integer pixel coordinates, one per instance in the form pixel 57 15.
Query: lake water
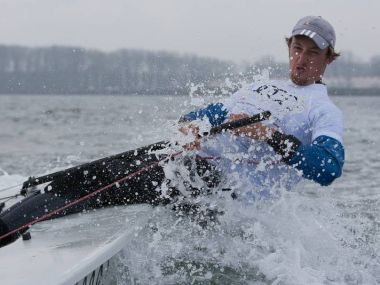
pixel 313 235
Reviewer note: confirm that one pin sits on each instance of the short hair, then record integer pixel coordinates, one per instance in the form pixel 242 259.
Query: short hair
pixel 331 53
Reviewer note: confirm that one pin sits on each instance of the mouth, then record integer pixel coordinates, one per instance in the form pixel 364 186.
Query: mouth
pixel 300 69
pixel 300 75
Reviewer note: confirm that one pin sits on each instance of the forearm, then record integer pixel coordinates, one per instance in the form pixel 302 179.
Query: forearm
pixel 322 161
pixel 215 113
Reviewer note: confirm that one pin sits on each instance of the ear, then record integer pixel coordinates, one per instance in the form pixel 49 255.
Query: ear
pixel 330 59
pixel 331 55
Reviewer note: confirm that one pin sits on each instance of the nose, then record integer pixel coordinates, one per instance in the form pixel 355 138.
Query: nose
pixel 302 58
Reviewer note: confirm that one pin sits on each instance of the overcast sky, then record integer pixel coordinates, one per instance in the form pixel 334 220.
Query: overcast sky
pixel 227 29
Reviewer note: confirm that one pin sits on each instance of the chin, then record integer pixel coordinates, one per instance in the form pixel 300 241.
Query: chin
pixel 301 80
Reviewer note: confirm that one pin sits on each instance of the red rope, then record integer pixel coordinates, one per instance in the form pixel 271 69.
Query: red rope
pixel 87 196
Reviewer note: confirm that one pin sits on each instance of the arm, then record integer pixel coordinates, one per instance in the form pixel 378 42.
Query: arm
pixel 215 113
pixel 322 161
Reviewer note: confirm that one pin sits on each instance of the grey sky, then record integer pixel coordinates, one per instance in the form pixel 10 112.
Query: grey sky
pixel 235 29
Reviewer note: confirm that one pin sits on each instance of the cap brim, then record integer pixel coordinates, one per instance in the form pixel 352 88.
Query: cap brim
pixel 318 40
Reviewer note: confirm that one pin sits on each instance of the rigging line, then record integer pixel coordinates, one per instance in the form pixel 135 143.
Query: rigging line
pixel 10 197
pixel 48 215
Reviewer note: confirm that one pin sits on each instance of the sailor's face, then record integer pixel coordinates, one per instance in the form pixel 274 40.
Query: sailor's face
pixel 307 62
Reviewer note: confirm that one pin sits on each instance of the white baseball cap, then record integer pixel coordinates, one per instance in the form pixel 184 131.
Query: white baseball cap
pixel 316 28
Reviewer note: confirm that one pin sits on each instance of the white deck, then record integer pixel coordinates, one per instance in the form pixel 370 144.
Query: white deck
pixel 64 250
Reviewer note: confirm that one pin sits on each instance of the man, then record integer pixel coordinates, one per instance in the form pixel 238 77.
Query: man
pixel 304 137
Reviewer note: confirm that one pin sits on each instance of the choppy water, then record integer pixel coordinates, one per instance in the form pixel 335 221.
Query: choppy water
pixel 313 235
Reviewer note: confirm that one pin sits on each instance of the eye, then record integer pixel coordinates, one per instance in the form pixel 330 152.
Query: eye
pixel 296 50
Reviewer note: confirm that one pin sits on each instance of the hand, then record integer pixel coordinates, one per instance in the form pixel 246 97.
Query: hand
pixel 190 129
pixel 256 131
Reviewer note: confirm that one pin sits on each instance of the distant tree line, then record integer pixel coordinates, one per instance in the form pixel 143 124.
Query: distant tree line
pixel 70 70
pixel 66 70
